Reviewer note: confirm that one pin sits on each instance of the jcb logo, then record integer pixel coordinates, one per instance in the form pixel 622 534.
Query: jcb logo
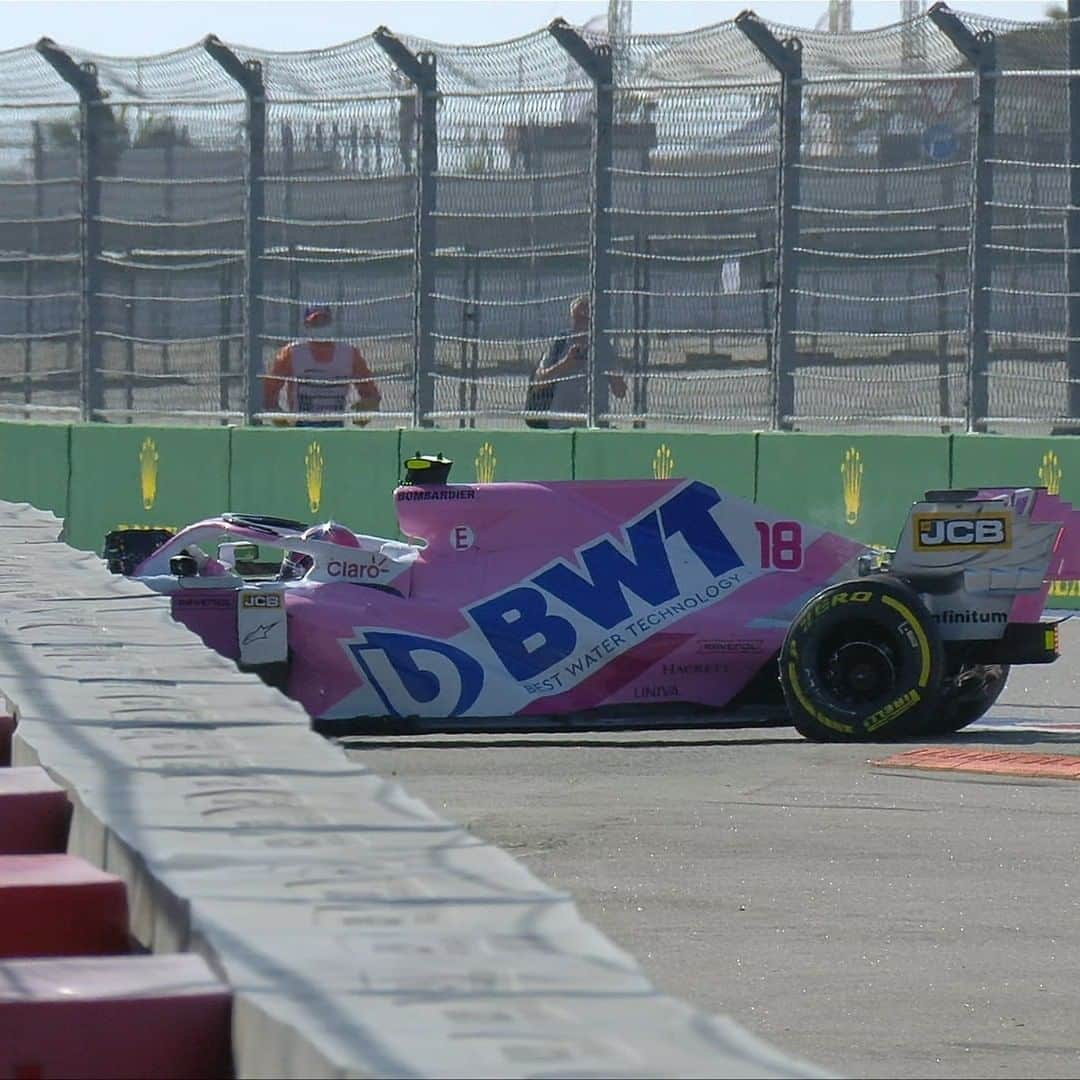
pixel 936 531
pixel 261 600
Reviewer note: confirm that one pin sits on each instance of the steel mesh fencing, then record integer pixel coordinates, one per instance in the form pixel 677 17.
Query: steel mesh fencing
pixel 911 260
pixel 880 260
pixel 1030 375
pixel 693 239
pixel 512 225
pixel 694 259
pixel 339 199
pixel 1028 325
pixel 903 48
pixel 171 278
pixel 1024 46
pixel 882 310
pixel 166 284
pixel 40 212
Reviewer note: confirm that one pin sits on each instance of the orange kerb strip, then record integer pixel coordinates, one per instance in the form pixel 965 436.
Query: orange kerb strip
pixel 1001 762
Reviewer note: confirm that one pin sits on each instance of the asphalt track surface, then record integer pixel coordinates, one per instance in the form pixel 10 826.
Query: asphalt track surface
pixel 880 923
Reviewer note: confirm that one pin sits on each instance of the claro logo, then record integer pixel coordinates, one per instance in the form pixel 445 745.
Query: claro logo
pixel 351 571
pixel 936 531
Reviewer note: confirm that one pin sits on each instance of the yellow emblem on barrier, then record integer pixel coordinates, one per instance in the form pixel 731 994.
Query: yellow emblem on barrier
pixel 1050 473
pixel 314 469
pixel 851 475
pixel 148 472
pixel 485 464
pixel 663 463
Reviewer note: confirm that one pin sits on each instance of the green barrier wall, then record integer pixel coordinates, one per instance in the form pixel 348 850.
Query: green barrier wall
pixel 727 461
pixel 488 456
pixel 856 485
pixel 1052 462
pixel 144 476
pixel 315 474
pixel 993 460
pixel 34 465
pixel 101 476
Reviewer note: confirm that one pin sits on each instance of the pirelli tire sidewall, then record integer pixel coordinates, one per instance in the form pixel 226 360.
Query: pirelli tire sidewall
pixel 891 608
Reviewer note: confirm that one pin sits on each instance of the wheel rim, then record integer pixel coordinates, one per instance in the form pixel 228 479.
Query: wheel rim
pixel 859 672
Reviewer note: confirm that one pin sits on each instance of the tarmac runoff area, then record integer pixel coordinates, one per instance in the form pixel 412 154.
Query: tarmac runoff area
pixel 878 921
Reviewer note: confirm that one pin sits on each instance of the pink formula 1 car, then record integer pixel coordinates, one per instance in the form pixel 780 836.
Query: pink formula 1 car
pixel 666 602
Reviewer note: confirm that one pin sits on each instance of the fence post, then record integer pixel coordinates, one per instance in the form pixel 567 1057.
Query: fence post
pixel 248 75
pixel 1073 217
pixel 980 52
pixel 94 128
pixel 597 64
pixel 422 71
pixel 786 58
pixel 38 154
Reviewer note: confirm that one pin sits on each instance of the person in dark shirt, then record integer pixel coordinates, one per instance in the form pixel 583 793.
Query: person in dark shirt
pixel 558 384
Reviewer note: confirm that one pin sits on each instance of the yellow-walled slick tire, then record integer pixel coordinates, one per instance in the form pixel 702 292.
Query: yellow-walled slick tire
pixel 862 661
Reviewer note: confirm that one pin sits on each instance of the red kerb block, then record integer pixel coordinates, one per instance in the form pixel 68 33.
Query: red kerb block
pixel 59 905
pixel 7 729
pixel 34 812
pixel 123 1016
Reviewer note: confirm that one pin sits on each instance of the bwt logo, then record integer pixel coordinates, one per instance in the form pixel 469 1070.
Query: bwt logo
pixel 936 531
pixel 528 638
pixel 260 600
pixel 418 676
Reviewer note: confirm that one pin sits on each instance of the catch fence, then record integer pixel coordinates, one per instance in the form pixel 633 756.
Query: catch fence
pixel 775 227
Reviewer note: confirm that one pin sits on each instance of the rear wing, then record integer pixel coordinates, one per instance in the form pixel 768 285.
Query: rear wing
pixel 985 557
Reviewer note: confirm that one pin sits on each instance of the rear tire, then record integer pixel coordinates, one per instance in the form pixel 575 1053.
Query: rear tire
pixel 976 690
pixel 862 661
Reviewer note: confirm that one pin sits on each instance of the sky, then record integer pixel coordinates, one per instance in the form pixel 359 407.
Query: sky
pixel 144 27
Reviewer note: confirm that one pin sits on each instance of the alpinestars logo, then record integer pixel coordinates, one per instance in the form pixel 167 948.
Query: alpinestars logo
pixel 260 633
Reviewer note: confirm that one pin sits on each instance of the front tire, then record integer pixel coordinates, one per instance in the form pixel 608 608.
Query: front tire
pixel 862 661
